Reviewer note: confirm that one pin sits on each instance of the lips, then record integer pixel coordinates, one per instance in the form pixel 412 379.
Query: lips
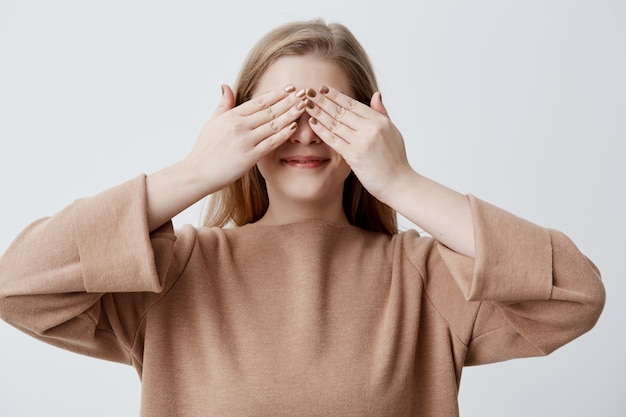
pixel 305 161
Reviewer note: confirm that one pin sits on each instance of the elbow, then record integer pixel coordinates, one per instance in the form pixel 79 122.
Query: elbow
pixel 582 316
pixel 592 307
pixel 566 319
pixel 12 306
pixel 6 305
pixel 4 313
pixel 591 300
pixel 577 287
pixel 12 310
pixel 12 313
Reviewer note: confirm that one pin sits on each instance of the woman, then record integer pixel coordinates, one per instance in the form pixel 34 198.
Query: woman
pixel 311 303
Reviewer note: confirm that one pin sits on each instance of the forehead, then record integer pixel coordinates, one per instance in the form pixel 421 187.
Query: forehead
pixel 303 72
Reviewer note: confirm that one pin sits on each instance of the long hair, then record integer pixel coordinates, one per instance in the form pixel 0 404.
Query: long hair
pixel 246 200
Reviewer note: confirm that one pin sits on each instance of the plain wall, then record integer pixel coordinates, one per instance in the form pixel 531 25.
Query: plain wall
pixel 520 103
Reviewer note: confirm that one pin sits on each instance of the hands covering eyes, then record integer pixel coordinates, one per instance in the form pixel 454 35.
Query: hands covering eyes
pixel 236 138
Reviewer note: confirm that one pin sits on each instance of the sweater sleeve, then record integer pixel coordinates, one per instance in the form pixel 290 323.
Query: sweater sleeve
pixel 530 288
pixel 83 278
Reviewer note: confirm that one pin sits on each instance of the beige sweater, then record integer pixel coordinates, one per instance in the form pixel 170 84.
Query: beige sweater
pixel 307 319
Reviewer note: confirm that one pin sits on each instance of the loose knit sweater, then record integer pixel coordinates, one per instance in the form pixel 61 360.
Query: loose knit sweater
pixel 305 319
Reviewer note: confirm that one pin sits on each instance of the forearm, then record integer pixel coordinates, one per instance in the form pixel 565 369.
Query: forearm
pixel 442 212
pixel 228 146
pixel 170 191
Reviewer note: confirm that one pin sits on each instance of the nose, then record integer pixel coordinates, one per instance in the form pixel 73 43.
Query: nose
pixel 304 135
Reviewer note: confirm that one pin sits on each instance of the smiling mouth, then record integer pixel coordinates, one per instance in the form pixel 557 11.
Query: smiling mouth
pixel 305 163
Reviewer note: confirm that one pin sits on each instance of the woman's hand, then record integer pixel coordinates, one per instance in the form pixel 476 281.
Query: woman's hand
pixel 235 139
pixel 364 136
pixel 228 146
pixel 373 147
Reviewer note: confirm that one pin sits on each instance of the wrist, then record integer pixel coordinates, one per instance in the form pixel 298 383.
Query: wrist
pixel 171 190
pixel 405 183
pixel 188 175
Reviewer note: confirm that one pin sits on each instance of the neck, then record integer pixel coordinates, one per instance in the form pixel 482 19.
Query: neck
pixel 280 213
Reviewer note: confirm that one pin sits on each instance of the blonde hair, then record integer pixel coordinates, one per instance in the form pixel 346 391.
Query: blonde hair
pixel 245 200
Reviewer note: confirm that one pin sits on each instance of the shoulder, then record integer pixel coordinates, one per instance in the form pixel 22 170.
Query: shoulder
pixel 190 238
pixel 414 248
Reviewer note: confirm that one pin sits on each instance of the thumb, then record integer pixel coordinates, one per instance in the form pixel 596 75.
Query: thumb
pixel 226 103
pixel 376 103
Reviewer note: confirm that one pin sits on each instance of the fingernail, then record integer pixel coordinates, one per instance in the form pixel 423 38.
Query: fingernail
pixel 310 92
pixel 313 120
pixel 301 93
pixel 293 125
pixel 309 103
pixel 290 88
pixel 300 106
pixel 222 87
pixel 324 89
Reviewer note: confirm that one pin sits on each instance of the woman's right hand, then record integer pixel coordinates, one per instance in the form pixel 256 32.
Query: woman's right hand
pixel 229 144
pixel 236 138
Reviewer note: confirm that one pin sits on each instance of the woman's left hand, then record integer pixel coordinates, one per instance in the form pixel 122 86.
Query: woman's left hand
pixel 364 136
pixel 373 147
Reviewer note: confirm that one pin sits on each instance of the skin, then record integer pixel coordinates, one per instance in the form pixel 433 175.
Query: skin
pixel 336 127
pixel 300 189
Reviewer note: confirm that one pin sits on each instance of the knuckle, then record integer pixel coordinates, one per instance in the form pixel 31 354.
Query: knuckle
pixel 292 99
pixel 274 125
pixel 315 111
pixel 377 130
pixel 260 102
pixel 294 112
pixel 237 125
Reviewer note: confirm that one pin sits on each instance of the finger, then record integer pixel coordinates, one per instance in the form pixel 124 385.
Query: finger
pixel 272 126
pixel 274 140
pixel 334 123
pixel 226 103
pixel 263 101
pixel 341 112
pixel 276 110
pixel 330 138
pixel 353 106
pixel 376 103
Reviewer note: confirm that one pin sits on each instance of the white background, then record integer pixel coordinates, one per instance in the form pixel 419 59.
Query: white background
pixel 520 103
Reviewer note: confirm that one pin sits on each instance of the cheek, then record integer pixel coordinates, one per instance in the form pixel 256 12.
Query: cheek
pixel 340 163
pixel 344 170
pixel 262 168
pixel 264 165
